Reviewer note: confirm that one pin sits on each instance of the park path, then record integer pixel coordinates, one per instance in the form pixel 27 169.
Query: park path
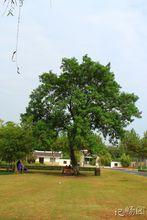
pixel 136 172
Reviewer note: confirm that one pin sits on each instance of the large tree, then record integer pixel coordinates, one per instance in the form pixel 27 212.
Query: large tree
pixel 83 99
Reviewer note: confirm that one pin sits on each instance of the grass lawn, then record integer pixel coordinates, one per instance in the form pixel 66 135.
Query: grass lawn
pixel 43 195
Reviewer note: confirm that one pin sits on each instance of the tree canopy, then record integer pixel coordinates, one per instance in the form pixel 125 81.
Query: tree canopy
pixel 83 99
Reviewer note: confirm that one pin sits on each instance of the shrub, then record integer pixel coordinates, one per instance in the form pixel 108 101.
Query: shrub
pixel 125 160
pixel 106 159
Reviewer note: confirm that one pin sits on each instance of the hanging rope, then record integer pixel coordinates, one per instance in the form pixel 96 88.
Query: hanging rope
pixel 10 8
pixel 50 3
pixel 15 53
pixel 6 8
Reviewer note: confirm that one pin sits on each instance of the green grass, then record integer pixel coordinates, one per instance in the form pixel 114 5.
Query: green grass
pixel 49 195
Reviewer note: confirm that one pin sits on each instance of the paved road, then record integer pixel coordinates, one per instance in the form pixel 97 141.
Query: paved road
pixel 131 172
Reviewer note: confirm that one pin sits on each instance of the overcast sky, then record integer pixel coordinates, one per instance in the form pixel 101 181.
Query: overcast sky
pixel 107 30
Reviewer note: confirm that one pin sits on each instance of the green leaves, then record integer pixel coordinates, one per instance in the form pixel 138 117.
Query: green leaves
pixel 15 142
pixel 125 160
pixel 144 146
pixel 133 145
pixel 83 99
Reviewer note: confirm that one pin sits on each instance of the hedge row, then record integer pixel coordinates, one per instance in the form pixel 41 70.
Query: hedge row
pixel 142 170
pixel 34 167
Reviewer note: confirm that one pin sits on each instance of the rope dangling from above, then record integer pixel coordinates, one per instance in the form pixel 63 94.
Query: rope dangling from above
pixel 15 52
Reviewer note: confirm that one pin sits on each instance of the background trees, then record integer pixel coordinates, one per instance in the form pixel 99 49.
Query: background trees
pixel 115 152
pixel 133 146
pixel 83 99
pixel 19 142
pixel 15 142
pixel 130 143
pixel 143 150
pixel 125 160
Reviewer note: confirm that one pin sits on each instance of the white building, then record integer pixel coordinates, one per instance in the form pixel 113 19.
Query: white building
pixel 115 164
pixel 51 158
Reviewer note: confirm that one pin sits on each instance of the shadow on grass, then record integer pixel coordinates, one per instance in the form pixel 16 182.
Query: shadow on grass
pixel 59 173
pixel 44 172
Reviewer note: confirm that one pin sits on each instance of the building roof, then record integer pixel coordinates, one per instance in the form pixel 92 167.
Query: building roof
pixel 48 154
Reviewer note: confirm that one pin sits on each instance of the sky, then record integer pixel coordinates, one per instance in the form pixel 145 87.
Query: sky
pixel 107 30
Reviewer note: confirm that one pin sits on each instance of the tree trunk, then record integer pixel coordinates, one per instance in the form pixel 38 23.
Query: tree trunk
pixel 74 161
pixel 71 135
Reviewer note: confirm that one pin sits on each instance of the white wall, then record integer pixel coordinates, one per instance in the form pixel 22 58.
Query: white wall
pixel 57 161
pixel 61 162
pixel 115 162
pixel 46 159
